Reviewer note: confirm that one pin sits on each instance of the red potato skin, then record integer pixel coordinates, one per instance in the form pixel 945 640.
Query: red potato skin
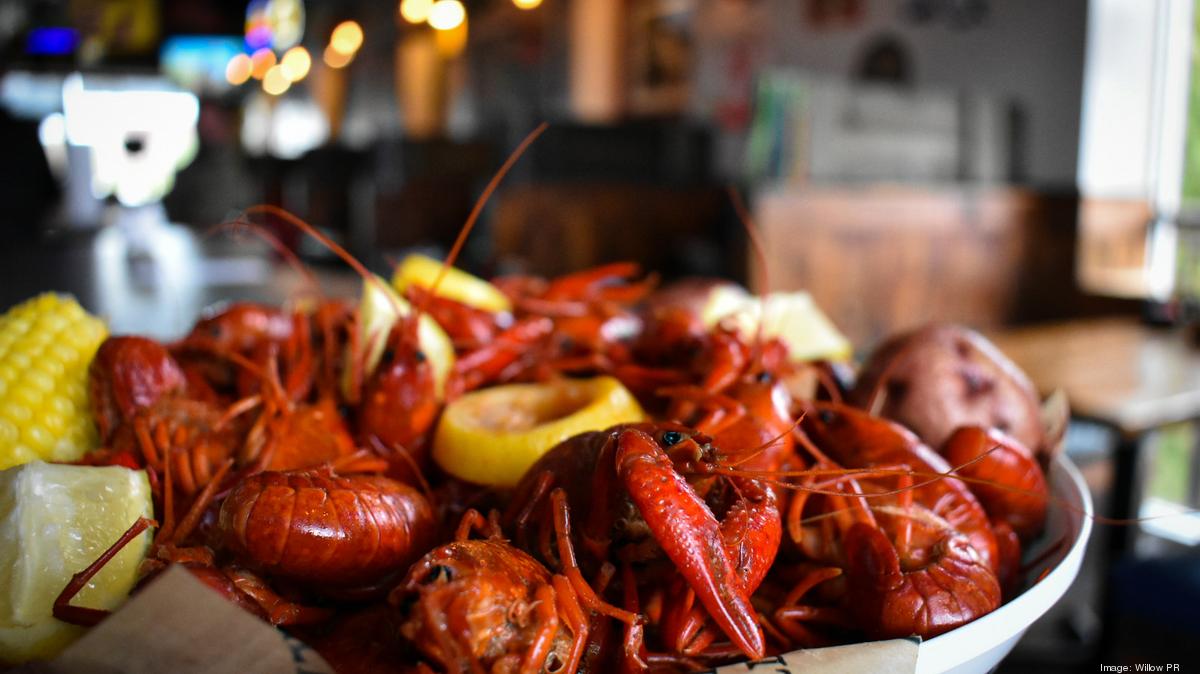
pixel 320 529
pixel 939 378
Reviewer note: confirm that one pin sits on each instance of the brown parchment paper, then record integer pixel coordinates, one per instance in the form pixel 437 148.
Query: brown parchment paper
pixel 896 656
pixel 177 624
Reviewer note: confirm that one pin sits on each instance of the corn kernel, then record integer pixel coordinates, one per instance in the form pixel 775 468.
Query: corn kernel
pixel 8 432
pixel 46 345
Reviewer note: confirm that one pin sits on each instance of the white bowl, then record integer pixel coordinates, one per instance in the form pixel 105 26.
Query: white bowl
pixel 979 646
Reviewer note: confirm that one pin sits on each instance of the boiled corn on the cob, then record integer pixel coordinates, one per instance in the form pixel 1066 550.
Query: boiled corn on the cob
pixel 46 345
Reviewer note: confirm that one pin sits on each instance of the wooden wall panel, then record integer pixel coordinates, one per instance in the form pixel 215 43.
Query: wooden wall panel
pixel 883 259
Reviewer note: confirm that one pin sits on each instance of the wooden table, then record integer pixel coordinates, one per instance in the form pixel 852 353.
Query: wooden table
pixel 1117 371
pixel 1130 377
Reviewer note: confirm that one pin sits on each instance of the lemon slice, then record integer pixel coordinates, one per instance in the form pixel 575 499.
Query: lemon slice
pixel 54 521
pixel 492 436
pixel 378 311
pixel 795 319
pixel 457 285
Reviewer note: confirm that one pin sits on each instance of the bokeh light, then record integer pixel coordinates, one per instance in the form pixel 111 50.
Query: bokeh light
pixel 237 71
pixel 527 4
pixel 347 37
pixel 295 63
pixel 336 59
pixel 415 11
pixel 447 14
pixel 261 61
pixel 451 43
pixel 276 81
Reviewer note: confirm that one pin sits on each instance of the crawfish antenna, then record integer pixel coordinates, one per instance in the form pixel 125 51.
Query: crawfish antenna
pixel 241 224
pixel 456 249
pixel 324 240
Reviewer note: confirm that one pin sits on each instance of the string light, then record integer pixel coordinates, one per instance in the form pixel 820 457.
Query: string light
pixel 347 37
pixel 261 61
pixel 275 82
pixel 295 63
pixel 526 4
pixel 237 71
pixel 415 11
pixel 447 14
pixel 336 59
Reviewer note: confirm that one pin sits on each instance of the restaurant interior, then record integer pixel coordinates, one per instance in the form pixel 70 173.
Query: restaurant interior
pixel 1030 169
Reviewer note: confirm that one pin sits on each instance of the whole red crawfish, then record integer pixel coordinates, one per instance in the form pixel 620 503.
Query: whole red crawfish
pixel 150 417
pixel 593 320
pixel 633 483
pixel 221 344
pixel 324 534
pixel 919 558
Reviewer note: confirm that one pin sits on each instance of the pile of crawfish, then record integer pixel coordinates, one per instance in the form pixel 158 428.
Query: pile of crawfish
pixel 771 504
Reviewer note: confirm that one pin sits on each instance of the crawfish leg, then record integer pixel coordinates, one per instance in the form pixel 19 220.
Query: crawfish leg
pixel 546 619
pixel 279 611
pixel 587 596
pixel 791 617
pixel 575 619
pixel 690 535
pixel 82 615
pixel 634 641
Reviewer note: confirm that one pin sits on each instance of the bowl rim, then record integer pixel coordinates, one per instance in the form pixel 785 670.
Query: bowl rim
pixel 945 652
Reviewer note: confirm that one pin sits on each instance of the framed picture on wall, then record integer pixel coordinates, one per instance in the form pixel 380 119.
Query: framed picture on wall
pixel 661 57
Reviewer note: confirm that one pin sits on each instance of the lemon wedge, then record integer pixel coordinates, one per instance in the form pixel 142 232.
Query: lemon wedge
pixel 54 521
pixel 457 285
pixel 378 311
pixel 794 318
pixel 492 436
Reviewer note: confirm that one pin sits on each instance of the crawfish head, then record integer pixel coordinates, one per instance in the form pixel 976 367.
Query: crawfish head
pixel 240 327
pixel 399 405
pixel 483 605
pixel 129 374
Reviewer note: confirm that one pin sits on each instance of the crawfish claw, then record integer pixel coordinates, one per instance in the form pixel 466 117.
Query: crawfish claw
pixel 689 534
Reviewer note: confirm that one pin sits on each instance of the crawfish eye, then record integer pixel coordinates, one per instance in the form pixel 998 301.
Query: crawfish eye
pixel 440 573
pixel 420 356
pixel 763 377
pixel 672 438
pixel 827 416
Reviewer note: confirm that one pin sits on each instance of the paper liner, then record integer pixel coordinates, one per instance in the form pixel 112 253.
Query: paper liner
pixel 177 624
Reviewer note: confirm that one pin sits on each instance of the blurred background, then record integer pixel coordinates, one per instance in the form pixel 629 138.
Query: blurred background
pixel 1029 168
